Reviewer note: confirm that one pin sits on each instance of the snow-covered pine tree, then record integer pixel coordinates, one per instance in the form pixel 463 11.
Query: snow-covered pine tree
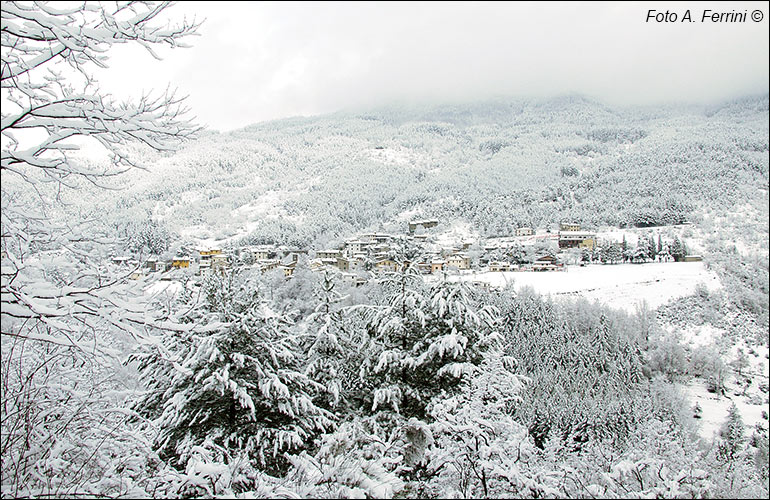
pixel 479 450
pixel 732 435
pixel 652 247
pixel 677 249
pixel 329 344
pixel 585 255
pixel 615 253
pixel 641 253
pixel 237 386
pixel 425 341
pixel 628 255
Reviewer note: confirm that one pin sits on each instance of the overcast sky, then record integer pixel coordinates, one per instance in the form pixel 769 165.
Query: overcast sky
pixel 260 61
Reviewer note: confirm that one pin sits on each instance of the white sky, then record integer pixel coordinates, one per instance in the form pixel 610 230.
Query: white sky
pixel 259 61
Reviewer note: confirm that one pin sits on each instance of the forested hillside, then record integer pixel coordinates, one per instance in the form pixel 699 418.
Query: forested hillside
pixel 497 165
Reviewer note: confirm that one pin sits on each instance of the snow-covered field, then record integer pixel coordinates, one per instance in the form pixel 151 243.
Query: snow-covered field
pixel 623 286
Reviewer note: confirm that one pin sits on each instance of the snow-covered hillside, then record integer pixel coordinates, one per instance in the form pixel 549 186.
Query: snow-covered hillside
pixel 303 179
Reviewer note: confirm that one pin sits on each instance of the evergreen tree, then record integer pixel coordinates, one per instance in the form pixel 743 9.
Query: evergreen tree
pixel 628 255
pixel 665 254
pixel 237 387
pixel 424 341
pixel 652 248
pixel 585 255
pixel 475 433
pixel 677 249
pixel 329 346
pixel 613 253
pixel 641 253
pixel 732 434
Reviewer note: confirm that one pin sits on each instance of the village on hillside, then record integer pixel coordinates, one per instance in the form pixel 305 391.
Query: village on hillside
pixel 529 250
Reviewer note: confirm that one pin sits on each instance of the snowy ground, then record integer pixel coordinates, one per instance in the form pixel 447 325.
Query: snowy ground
pixel 623 286
pixel 750 405
pixel 750 400
pixel 458 232
pixel 164 288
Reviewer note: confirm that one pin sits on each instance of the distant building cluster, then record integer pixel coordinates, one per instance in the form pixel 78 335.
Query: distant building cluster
pixel 215 260
pixel 379 253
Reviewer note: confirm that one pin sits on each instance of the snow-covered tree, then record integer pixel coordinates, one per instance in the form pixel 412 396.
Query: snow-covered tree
pixel 612 253
pixel 641 253
pixel 651 247
pixel 480 451
pixel 38 42
pixel 732 435
pixel 55 290
pixel 50 101
pixel 424 341
pixel 52 274
pixel 146 237
pixel 664 255
pixel 585 255
pixel 328 344
pixel 238 384
pixel 355 461
pixel 677 249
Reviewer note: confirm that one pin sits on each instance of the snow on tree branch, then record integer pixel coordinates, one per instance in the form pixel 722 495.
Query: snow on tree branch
pixel 51 270
pixel 47 87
